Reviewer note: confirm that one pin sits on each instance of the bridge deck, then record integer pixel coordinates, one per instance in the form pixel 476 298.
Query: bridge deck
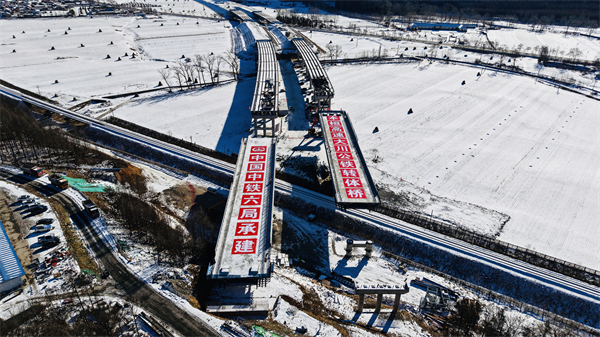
pixel 264 18
pixel 266 91
pixel 243 246
pixel 351 179
pixel 318 77
pixel 241 15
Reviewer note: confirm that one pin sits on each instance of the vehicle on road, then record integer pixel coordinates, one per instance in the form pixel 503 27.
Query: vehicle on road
pixel 59 181
pixel 43 228
pixel 29 201
pixel 91 209
pixel 37 209
pixel 32 170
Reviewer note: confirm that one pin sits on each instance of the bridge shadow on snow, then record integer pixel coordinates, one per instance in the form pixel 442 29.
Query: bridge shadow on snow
pixel 342 267
pixel 239 121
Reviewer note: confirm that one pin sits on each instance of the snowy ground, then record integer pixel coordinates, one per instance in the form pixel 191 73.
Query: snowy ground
pixel 513 146
pixel 83 72
pixel 512 38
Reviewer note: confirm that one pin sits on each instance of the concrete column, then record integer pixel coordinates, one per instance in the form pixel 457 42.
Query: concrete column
pixel 361 302
pixel 379 299
pixel 396 303
pixel 369 248
pixel 349 243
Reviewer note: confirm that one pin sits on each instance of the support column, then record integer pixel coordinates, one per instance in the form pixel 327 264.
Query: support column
pixel 361 302
pixel 349 244
pixel 396 303
pixel 369 248
pixel 379 299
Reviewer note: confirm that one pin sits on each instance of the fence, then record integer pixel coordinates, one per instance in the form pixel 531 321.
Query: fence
pixel 537 259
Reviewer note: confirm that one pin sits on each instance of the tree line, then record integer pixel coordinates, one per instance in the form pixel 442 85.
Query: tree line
pixel 25 139
pixel 580 13
pixel 199 70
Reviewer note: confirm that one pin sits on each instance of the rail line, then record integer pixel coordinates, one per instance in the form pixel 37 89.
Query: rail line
pixel 542 276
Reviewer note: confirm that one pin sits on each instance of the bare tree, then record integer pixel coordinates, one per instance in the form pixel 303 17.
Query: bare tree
pixel 233 62
pixel 165 74
pixel 179 75
pixel 210 60
pixel 218 63
pixel 187 69
pixel 199 65
pixel 334 51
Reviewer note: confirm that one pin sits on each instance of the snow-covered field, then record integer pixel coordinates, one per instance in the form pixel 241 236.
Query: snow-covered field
pixel 500 141
pixel 512 38
pixel 80 60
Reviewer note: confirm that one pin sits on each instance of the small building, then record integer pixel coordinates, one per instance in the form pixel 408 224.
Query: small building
pixel 437 26
pixel 11 270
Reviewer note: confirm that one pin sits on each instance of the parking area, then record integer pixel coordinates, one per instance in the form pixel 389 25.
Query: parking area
pixel 37 237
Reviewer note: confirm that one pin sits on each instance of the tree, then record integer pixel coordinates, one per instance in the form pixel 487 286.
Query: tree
pixel 544 55
pixel 165 74
pixel 199 65
pixel 465 317
pixel 334 51
pixel 233 63
pixel 209 60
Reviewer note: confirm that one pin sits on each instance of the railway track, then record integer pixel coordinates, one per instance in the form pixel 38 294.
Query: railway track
pixel 454 246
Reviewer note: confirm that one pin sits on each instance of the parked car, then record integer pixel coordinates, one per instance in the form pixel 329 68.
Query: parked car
pixel 43 228
pixel 23 197
pixel 37 209
pixel 47 240
pixel 28 201
pixel 45 221
pixel 36 204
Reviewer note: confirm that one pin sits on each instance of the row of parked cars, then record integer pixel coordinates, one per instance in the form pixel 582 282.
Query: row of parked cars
pixel 42 225
pixel 33 206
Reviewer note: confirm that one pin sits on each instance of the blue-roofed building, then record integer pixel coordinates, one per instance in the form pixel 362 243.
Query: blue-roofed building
pixel 438 26
pixel 11 270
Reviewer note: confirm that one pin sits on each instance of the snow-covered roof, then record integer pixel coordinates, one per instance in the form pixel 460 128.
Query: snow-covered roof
pixel 10 266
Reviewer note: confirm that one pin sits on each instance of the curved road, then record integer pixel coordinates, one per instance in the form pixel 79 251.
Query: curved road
pixel 454 246
pixel 136 291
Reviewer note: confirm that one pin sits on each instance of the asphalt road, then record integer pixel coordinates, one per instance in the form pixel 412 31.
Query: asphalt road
pixel 136 291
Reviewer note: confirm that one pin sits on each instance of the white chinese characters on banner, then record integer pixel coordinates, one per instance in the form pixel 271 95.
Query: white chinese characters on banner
pixel 255 176
pixel 345 159
pixel 251 202
pixel 249 214
pixel 253 188
pixel 246 228
pixel 244 246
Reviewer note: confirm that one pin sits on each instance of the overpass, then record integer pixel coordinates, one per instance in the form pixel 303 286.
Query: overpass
pixel 537 275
